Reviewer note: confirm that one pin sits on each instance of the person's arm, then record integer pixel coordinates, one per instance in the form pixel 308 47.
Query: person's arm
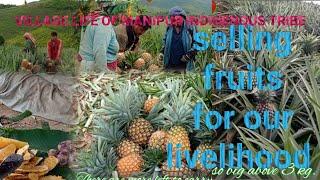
pixel 49 50
pixel 191 54
pixel 164 41
pixel 59 50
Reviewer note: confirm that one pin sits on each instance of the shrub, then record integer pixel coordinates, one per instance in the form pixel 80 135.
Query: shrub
pixel 2 40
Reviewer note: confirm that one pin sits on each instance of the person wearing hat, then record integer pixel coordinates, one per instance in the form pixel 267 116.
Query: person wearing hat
pixel 99 46
pixel 30 43
pixel 177 52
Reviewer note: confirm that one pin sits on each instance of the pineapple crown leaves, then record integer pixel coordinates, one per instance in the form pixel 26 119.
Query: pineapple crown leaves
pixel 170 87
pixel 124 105
pixel 109 131
pixel 179 111
pixel 155 117
pixel 309 43
pixel 131 57
pixel 265 96
pixel 152 158
pixel 100 162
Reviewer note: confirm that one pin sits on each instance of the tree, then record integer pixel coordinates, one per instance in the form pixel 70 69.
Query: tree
pixel 25 2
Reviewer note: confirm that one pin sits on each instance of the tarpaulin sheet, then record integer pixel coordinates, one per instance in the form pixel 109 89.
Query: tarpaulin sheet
pixel 48 96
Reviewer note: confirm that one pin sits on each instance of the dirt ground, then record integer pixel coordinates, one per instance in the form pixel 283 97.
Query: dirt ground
pixel 31 122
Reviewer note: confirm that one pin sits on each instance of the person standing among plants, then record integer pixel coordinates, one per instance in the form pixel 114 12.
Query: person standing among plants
pixel 128 36
pixel 177 53
pixel 30 43
pixel 54 49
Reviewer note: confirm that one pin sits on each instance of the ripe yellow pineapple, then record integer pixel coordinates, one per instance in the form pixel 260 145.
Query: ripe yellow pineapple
pixel 158 140
pixel 36 69
pixel 139 64
pixel 146 56
pixel 24 64
pixel 202 148
pixel 127 147
pixel 178 135
pixel 150 103
pixel 178 121
pixel 153 68
pixel 140 131
pixel 183 172
pixel 130 165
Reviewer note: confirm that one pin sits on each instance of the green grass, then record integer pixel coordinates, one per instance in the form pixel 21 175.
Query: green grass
pixel 11 57
pixel 13 34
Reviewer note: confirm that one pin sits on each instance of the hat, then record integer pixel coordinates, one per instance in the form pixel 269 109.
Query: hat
pixel 177 11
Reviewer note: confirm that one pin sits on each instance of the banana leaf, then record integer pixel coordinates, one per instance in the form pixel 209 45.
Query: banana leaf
pixel 42 140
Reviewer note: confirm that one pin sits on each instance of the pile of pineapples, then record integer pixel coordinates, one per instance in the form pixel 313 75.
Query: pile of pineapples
pixel 139 61
pixel 134 128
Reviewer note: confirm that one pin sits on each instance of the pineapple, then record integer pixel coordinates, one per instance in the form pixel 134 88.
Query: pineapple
pixel 153 68
pixel 158 140
pixel 150 103
pixel 129 60
pixel 36 69
pixel 111 132
pixel 147 57
pixel 178 135
pixel 127 147
pixel 130 165
pixel 139 64
pixel 121 57
pixel 24 64
pixel 140 131
pixel 265 102
pixel 253 79
pixel 178 120
pixel 183 172
pixel 202 148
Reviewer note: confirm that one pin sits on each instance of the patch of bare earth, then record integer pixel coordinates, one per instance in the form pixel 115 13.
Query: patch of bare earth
pixel 31 122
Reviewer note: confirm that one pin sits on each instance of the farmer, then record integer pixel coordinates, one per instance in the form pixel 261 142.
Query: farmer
pixel 128 35
pixel 30 43
pixel 99 46
pixel 177 53
pixel 54 48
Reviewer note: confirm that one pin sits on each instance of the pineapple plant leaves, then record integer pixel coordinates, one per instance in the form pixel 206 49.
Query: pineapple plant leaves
pixel 124 105
pixel 153 159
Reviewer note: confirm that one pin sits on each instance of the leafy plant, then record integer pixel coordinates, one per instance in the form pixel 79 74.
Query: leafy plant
pixel 2 40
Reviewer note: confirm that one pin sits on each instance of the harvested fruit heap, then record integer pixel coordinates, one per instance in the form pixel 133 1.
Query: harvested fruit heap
pixel 134 126
pixel 26 65
pixel 18 161
pixel 139 61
